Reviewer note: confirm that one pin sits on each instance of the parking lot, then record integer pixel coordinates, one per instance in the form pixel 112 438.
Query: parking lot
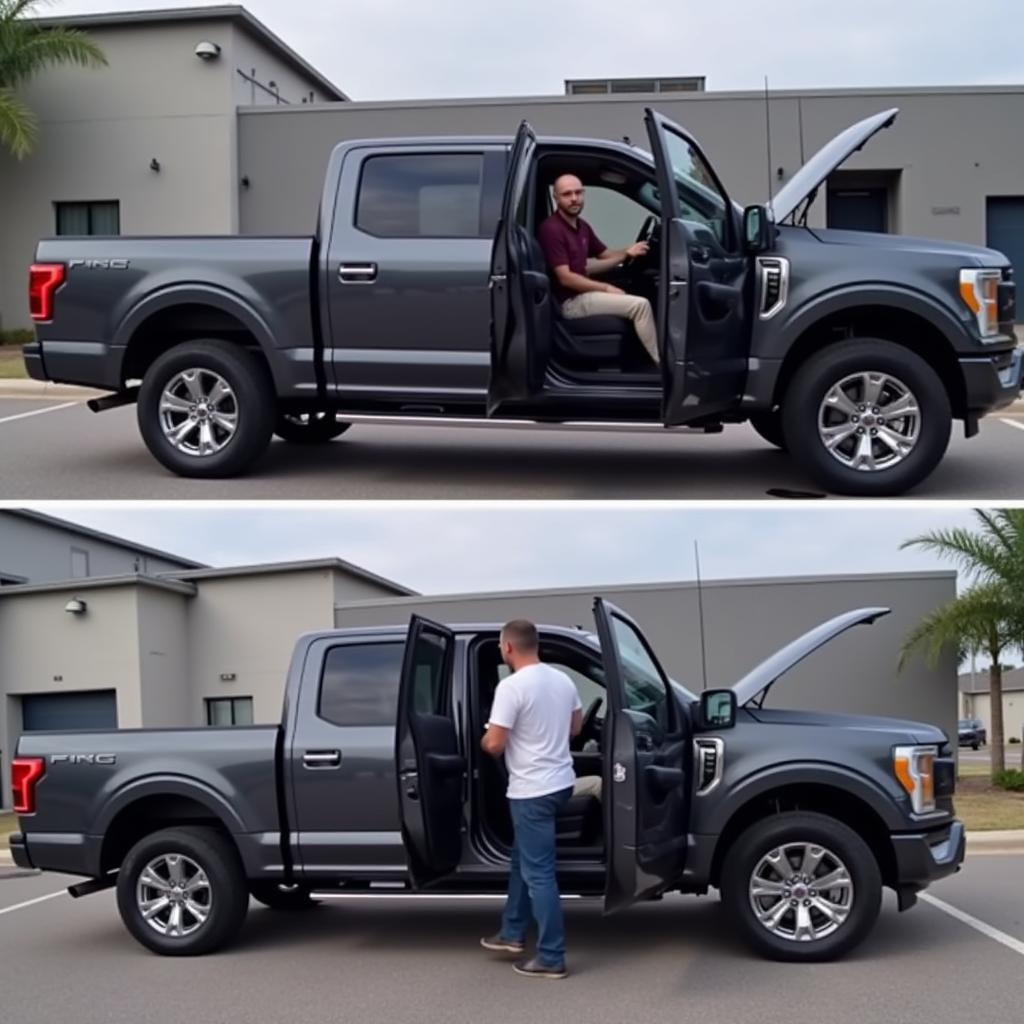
pixel 59 450
pixel 393 959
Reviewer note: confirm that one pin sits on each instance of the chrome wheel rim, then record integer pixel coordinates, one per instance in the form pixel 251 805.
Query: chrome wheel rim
pixel 869 421
pixel 174 895
pixel 801 892
pixel 198 412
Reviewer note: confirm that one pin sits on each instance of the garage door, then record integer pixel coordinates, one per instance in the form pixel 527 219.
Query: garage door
pixel 87 709
pixel 1005 232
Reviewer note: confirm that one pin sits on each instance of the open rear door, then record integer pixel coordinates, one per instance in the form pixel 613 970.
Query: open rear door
pixel 429 767
pixel 647 765
pixel 517 365
pixel 702 325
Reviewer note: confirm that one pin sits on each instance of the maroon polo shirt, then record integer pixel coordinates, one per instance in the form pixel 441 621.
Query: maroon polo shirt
pixel 565 245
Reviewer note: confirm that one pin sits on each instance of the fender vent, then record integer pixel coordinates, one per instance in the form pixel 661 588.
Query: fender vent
pixel 773 284
pixel 709 755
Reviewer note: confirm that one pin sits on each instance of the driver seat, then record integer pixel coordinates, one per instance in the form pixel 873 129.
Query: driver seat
pixel 589 341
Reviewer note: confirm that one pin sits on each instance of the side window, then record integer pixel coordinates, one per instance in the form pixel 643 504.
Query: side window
pixel 429 674
pixel 430 195
pixel 359 684
pixel 615 218
pixel 646 687
pixel 701 199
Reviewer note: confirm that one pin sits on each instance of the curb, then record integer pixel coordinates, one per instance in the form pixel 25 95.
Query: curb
pixel 1006 841
pixel 45 389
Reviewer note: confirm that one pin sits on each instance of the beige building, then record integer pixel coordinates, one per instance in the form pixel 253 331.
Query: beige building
pixel 976 701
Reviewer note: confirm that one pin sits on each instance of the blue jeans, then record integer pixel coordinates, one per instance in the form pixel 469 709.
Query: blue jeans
pixel 532 886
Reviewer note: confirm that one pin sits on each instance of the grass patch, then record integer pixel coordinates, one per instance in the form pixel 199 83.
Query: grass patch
pixel 11 364
pixel 8 824
pixel 982 807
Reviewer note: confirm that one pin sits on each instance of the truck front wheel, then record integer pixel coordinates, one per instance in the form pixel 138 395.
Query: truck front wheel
pixel 206 409
pixel 866 417
pixel 182 891
pixel 802 887
pixel 769 426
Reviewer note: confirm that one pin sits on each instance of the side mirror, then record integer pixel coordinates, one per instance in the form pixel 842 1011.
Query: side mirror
pixel 757 229
pixel 717 709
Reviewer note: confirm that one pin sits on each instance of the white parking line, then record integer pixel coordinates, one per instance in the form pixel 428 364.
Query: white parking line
pixel 37 412
pixel 986 929
pixel 1012 423
pixel 29 903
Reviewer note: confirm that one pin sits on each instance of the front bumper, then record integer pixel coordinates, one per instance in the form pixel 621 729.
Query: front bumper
pixel 925 857
pixel 992 382
pixel 19 851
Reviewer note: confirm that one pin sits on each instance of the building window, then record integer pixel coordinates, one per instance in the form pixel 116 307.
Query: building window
pixel 79 564
pixel 425 196
pixel 88 218
pixel 359 685
pixel 229 710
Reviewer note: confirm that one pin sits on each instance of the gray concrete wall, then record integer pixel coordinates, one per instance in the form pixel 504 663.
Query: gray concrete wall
pixel 745 622
pixel 953 147
pixel 43 649
pixel 247 625
pixel 163 659
pixel 42 554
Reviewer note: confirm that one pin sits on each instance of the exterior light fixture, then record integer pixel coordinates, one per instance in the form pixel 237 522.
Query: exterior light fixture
pixel 76 606
pixel 154 165
pixel 207 51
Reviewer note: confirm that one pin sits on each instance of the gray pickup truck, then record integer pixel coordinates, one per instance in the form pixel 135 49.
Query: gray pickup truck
pixel 424 297
pixel 375 781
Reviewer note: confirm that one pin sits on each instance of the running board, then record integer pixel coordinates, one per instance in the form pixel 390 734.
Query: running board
pixel 611 426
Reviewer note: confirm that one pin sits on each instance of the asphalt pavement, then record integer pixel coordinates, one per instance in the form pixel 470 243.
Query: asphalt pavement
pixel 402 960
pixel 50 449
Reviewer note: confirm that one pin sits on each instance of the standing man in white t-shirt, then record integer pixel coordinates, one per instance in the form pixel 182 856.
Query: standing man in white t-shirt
pixel 535 711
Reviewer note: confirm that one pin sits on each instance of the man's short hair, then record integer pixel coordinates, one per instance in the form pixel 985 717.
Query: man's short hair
pixel 521 634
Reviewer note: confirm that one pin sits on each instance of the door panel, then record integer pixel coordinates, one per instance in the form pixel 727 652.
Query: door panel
pixel 431 769
pixel 647 766
pixel 703 318
pixel 518 354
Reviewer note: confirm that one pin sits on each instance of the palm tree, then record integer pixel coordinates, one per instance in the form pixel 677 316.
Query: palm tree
pixel 988 617
pixel 25 49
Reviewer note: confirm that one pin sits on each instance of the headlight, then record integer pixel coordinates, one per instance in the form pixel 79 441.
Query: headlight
pixel 915 769
pixel 980 291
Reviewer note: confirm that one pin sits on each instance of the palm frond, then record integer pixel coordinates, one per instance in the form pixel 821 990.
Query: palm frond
pixel 42 49
pixel 17 125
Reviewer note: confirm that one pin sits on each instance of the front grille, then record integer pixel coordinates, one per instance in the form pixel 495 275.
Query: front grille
pixel 945 776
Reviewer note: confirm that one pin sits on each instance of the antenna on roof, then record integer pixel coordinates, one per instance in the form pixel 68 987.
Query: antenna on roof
pixel 700 609
pixel 768 141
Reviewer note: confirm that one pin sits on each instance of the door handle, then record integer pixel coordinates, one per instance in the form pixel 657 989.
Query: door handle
pixel 357 273
pixel 319 760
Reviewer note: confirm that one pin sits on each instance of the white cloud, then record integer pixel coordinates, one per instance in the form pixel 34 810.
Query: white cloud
pixel 404 48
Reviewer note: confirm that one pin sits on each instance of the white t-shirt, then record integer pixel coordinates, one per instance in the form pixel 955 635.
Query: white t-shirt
pixel 536 704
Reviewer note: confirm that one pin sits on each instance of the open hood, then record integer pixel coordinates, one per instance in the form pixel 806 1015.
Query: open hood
pixel 825 161
pixel 761 678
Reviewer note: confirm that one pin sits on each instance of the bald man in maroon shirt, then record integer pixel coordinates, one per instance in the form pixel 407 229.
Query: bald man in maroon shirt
pixel 574 252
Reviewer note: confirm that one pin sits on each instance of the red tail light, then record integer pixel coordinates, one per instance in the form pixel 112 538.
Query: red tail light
pixel 25 773
pixel 43 280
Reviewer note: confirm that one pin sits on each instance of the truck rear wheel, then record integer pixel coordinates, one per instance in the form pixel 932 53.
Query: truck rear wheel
pixel 867 417
pixel 802 887
pixel 206 409
pixel 182 891
pixel 309 427
pixel 293 897
pixel 769 426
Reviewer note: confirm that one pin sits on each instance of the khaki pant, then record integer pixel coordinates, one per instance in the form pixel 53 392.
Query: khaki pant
pixel 587 785
pixel 633 307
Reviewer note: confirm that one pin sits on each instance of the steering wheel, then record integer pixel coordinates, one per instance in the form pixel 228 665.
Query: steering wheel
pixel 648 230
pixel 589 718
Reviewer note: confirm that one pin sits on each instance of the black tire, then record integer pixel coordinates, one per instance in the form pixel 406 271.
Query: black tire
pixel 769 426
pixel 309 428
pixel 254 403
pixel 826 368
pixel 974 746
pixel 795 827
pixel 228 893
pixel 273 896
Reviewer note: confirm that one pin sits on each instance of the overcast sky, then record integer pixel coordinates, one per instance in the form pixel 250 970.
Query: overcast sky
pixel 452 549
pixel 387 49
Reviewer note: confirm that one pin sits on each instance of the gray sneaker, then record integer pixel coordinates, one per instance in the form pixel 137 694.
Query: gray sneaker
pixel 499 944
pixel 535 969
